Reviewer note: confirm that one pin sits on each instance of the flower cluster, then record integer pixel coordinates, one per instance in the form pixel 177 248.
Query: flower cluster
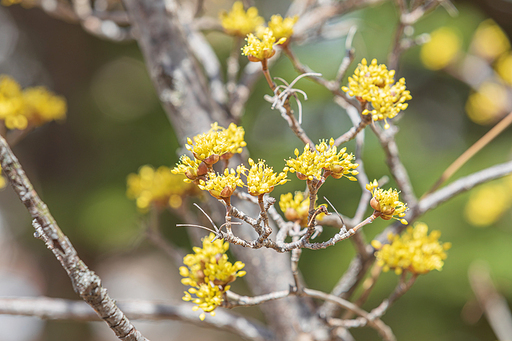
pixel 490 41
pixel 209 272
pixel 157 187
pixel 442 49
pixel 260 48
pixel 295 207
pixel 312 164
pixel 261 179
pixel 239 22
pixel 222 186
pixel 30 107
pixel 375 84
pixel 387 203
pixel 415 251
pixel 208 148
pixel 490 102
pixel 2 179
pixel 260 39
pixel 282 28
pixel 487 204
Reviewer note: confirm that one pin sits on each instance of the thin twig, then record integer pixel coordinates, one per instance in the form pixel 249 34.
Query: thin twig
pixel 471 151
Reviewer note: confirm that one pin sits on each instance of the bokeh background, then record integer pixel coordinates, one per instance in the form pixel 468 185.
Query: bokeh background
pixel 115 124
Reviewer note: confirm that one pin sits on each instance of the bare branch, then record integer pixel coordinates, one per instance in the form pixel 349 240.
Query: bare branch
pixel 85 282
pixel 61 309
pixel 492 302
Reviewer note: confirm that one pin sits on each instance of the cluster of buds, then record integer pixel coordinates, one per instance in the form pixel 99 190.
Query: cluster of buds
pixel 414 251
pixel 375 84
pixel 208 272
pixel 324 161
pixel 209 148
pixel 21 108
pixel 260 39
pixel 386 203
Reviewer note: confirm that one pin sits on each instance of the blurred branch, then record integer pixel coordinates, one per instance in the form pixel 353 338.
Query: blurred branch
pixel 494 305
pixel 85 282
pixel 396 167
pixel 61 309
pixel 471 151
pixel 104 24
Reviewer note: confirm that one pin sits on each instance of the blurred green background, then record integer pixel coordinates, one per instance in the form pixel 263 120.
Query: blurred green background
pixel 115 124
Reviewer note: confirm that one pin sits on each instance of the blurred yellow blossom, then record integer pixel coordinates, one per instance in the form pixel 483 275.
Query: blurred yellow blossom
pixel 259 49
pixel 239 22
pixel 209 272
pixel 32 106
pixel 375 84
pixel 222 186
pixel 442 49
pixel 295 207
pixel 311 164
pixel 282 28
pixel 262 179
pixel 489 202
pixel 414 251
pixel 489 40
pixel 488 104
pixel 157 187
pixel 387 202
pixel 2 179
pixel 504 68
pixel 10 2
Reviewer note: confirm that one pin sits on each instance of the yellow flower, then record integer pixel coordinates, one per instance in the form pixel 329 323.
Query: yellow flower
pixel 308 165
pixel 414 251
pixel 209 272
pixel 210 147
pixel 34 106
pixel 239 22
pixel 375 84
pixel 338 163
pixel 223 186
pixel 488 203
pixel 295 207
pixel 504 68
pixel 190 168
pixel 282 28
pixel 43 106
pixel 259 49
pixel 489 40
pixel 157 187
pixel 262 179
pixel 311 164
pixel 442 49
pixel 387 202
pixel 234 138
pixel 486 105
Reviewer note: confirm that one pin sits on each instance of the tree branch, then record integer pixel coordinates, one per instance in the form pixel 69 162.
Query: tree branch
pixel 85 282
pixel 61 309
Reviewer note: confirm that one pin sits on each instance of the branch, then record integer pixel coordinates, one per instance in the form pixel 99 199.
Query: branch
pixel 493 304
pixel 61 309
pixel 85 282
